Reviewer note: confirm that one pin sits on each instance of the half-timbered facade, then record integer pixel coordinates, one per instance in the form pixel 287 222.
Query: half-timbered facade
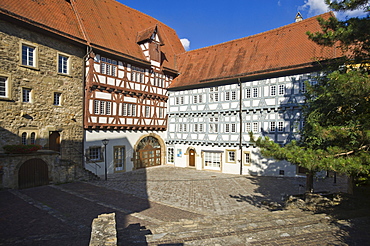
pixel 255 84
pixel 126 89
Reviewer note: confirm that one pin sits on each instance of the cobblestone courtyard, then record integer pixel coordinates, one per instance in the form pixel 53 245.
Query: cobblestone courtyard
pixel 172 206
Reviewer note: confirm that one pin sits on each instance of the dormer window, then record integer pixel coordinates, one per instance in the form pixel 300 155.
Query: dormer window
pixel 151 42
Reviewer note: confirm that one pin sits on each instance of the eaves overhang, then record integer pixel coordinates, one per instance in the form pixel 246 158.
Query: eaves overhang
pixel 256 75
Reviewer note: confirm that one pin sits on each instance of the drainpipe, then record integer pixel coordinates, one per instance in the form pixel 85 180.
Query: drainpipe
pixel 241 125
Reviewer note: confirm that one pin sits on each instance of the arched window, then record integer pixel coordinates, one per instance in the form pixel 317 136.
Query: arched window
pixel 33 138
pixel 24 138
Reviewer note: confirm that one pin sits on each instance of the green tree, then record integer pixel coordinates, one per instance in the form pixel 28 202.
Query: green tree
pixel 336 136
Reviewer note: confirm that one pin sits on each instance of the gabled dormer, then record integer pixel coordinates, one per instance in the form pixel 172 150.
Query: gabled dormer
pixel 150 42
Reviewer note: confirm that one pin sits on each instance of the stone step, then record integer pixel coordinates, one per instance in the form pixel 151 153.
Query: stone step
pixel 252 227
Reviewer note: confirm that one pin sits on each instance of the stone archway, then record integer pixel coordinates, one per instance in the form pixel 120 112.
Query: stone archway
pixel 149 151
pixel 32 173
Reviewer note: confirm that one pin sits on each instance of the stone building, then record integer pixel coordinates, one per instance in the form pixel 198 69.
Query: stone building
pixel 41 96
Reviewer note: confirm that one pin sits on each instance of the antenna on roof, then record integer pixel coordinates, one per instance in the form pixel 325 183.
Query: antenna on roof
pixel 298 17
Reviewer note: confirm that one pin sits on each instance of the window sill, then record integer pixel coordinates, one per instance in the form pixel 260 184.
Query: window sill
pixel 65 74
pixel 30 67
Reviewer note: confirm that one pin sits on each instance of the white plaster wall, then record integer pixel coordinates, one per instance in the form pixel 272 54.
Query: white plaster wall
pixel 116 138
pixel 259 166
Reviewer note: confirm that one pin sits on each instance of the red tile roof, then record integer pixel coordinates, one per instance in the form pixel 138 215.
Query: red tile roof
pixel 106 24
pixel 282 49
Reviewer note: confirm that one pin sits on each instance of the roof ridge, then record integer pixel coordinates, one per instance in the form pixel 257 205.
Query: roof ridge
pixel 263 33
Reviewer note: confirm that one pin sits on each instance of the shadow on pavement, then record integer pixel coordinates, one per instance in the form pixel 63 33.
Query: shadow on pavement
pixel 63 214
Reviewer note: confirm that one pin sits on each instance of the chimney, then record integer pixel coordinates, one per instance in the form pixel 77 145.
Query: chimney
pixel 298 17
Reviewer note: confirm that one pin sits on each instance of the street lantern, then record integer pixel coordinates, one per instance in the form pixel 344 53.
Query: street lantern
pixel 105 143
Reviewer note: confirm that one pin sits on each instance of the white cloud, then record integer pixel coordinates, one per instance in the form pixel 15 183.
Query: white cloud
pixel 316 7
pixel 186 43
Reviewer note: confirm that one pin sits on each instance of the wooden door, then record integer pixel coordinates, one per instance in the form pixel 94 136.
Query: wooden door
pixel 149 157
pixel 32 173
pixel 191 158
pixel 54 141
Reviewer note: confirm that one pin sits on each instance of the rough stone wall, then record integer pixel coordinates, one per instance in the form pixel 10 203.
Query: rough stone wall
pixel 59 171
pixel 103 230
pixel 41 116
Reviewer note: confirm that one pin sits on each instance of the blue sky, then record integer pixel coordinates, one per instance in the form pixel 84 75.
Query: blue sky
pixel 208 22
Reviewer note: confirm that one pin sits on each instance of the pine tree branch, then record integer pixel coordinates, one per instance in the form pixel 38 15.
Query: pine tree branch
pixel 350 152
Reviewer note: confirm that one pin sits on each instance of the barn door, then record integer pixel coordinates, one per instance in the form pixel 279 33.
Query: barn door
pixel 33 172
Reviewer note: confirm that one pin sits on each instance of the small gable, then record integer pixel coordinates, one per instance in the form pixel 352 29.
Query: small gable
pixel 150 42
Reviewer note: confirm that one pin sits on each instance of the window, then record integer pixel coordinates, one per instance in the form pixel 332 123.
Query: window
pixel 185 126
pixel 303 87
pixel 248 127
pixel 180 127
pixel 273 90
pixel 177 100
pixel 57 97
pixel 28 55
pixel 200 127
pixel 128 109
pixel 280 126
pixel 255 92
pixel 3 87
pixel 200 98
pixel 108 66
pixel 24 138
pixel 281 89
pixel 95 154
pixel 119 154
pixel 233 95
pixel 33 138
pixel 247 158
pixel 255 127
pixel 147 111
pixel 227 128
pixel 195 99
pixel 213 125
pixel 102 107
pixel 213 95
pixel 230 156
pixel 248 93
pixel 212 160
pixel 63 64
pixel 195 127
pixel 96 107
pixel 108 108
pixel 170 155
pixel 26 95
pixel 137 74
pixel 227 96
pixel 272 126
pixel 233 127
pixel 182 100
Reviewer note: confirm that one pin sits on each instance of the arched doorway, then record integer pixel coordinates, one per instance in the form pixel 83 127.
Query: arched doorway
pixel 148 153
pixel 33 172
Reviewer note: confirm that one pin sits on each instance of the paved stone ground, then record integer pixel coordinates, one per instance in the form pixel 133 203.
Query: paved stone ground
pixel 174 206
pixel 211 192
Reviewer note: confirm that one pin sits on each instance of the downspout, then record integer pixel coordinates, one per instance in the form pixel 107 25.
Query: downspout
pixel 88 52
pixel 241 125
